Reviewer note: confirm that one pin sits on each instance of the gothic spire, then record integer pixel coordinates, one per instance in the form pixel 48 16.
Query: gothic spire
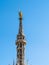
pixel 20 23
pixel 20 42
pixel 20 32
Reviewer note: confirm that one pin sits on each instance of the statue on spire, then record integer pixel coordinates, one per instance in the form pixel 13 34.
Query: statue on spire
pixel 20 23
pixel 20 14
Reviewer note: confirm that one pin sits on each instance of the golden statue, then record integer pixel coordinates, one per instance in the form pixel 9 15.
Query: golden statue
pixel 20 14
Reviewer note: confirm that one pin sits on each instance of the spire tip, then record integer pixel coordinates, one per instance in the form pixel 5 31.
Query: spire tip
pixel 20 14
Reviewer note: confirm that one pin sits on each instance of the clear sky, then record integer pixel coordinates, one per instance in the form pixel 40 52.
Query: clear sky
pixel 36 30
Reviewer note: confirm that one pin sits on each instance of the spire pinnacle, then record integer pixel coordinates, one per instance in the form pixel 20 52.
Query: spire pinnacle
pixel 20 23
pixel 20 36
pixel 20 14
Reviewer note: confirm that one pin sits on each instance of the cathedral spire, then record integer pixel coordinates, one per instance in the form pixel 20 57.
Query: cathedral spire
pixel 20 42
pixel 20 23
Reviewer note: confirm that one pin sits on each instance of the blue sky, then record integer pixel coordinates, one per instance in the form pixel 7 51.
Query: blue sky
pixel 36 30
